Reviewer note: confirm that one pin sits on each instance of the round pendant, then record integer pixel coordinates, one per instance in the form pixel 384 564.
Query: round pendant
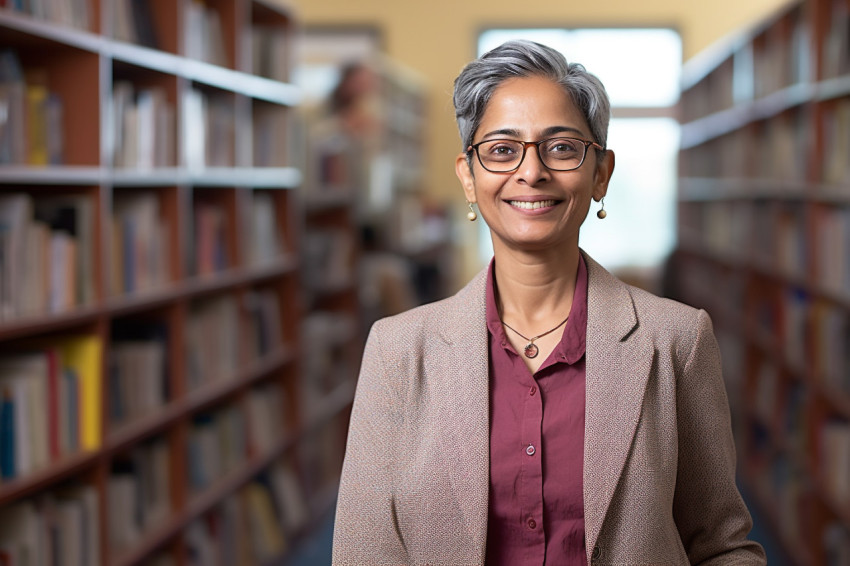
pixel 531 350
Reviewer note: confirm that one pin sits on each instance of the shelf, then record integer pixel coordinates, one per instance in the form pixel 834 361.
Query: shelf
pixel 43 29
pixel 707 189
pixel 253 177
pixel 55 175
pixel 226 79
pixel 727 121
pixel 48 322
pixel 42 479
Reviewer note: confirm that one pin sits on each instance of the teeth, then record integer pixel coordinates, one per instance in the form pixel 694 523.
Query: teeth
pixel 532 205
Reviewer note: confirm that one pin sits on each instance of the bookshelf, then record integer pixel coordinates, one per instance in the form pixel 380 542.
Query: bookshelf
pixel 152 395
pixel 764 234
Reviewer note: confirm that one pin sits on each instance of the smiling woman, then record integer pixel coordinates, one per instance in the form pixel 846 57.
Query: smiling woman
pixel 548 413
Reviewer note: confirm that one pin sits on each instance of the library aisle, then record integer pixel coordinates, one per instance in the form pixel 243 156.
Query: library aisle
pixel 764 234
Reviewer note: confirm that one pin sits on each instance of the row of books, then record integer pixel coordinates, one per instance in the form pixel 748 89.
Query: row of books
pixel 836 41
pixel 73 13
pixel 50 405
pixel 217 445
pixel 263 333
pixel 210 122
pixel 264 241
pixel 203 33
pixel 772 235
pixel 831 338
pixel 139 243
pixel 783 59
pixel 46 254
pixel 252 525
pixel 713 92
pixel 777 149
pixel 132 21
pixel 265 407
pixel 138 370
pixel 211 253
pixel 271 134
pixel 836 146
pixel 835 461
pixel 212 341
pixel 31 131
pixel 832 242
pixel 271 54
pixel 59 527
pixel 138 493
pixel 329 260
pixel 145 127
pixel 836 543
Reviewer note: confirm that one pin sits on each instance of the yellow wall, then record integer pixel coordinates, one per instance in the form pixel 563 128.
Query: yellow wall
pixel 437 38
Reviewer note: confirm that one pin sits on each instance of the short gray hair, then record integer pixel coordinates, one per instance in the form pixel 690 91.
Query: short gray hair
pixel 522 58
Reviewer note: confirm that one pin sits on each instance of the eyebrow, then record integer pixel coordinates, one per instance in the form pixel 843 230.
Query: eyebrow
pixel 550 131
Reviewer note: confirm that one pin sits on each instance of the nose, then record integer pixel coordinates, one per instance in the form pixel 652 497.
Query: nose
pixel 532 170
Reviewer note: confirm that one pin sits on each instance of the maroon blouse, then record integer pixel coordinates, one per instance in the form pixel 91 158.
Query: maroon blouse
pixel 536 513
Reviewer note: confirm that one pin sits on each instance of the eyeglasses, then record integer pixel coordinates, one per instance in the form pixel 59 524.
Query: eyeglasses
pixel 557 154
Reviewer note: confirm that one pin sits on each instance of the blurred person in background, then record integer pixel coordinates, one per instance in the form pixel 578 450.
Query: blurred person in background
pixel 548 413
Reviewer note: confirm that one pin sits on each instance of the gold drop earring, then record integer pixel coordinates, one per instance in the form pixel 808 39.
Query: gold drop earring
pixel 471 215
pixel 601 213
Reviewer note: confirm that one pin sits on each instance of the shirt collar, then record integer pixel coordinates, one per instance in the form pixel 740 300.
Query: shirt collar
pixel 572 345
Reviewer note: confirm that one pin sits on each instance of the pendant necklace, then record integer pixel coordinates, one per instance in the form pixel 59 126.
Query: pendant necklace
pixel 531 350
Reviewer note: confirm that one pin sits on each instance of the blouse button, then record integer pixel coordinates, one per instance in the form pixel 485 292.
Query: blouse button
pixel 532 524
pixel 530 450
pixel 532 391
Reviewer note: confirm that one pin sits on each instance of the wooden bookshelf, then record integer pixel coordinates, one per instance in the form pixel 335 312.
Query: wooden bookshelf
pixel 151 298
pixel 764 234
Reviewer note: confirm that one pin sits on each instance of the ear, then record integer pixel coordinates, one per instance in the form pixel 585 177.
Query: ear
pixel 602 175
pixel 463 170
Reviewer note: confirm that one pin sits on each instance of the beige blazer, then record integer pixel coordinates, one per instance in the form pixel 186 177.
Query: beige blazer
pixel 659 460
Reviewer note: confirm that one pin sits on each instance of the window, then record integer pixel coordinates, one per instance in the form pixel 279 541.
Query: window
pixel 640 69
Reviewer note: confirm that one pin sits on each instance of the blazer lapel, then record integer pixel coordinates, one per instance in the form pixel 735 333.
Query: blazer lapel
pixel 463 362
pixel 618 362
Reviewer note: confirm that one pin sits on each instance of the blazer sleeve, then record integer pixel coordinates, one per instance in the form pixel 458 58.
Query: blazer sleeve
pixel 711 516
pixel 366 530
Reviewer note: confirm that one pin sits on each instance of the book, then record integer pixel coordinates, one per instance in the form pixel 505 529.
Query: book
pixel 212 341
pixel 139 249
pixel 12 109
pixel 82 355
pixel 138 366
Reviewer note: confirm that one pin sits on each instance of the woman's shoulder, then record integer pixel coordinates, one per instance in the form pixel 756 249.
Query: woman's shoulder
pixel 425 318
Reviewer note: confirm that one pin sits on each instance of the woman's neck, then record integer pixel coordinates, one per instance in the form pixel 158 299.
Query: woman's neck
pixel 535 289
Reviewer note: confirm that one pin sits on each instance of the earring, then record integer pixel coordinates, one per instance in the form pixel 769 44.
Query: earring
pixel 601 213
pixel 471 215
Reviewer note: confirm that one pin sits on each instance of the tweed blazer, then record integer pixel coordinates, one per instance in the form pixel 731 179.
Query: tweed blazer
pixel 659 460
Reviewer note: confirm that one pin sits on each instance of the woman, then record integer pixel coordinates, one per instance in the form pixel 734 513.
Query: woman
pixel 547 413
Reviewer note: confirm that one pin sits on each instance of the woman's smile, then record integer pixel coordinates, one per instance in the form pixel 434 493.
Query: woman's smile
pixel 532 204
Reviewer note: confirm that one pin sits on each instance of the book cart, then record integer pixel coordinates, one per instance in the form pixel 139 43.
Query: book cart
pixel 152 402
pixel 764 246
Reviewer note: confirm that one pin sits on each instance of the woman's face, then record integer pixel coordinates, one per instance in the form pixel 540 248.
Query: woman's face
pixel 533 109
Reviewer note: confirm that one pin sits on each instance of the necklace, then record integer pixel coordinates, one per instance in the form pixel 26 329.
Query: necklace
pixel 531 350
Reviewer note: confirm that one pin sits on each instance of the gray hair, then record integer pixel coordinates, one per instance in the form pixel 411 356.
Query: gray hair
pixel 522 58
